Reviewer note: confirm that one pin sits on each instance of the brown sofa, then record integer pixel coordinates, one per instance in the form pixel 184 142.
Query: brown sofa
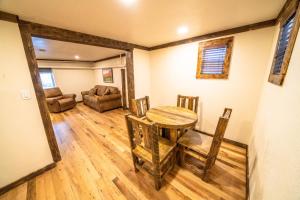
pixel 58 102
pixel 102 98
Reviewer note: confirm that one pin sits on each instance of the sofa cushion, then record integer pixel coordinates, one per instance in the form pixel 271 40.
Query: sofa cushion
pixel 107 91
pixel 66 103
pixel 52 100
pixel 92 91
pixel 100 90
pixel 113 90
pixel 110 97
pixel 52 92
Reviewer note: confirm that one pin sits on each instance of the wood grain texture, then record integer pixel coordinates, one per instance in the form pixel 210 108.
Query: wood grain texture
pixel 188 102
pixel 130 76
pixel 8 17
pixel 149 151
pixel 124 92
pixel 109 58
pixel 222 33
pixel 29 29
pixel 172 117
pixel 55 33
pixel 140 106
pixel 289 9
pixel 97 164
pixel 63 60
pixel 228 42
pixel 26 178
pixel 203 148
pixel 39 92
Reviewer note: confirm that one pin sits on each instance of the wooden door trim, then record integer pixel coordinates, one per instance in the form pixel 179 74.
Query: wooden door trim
pixel 39 92
pixel 28 29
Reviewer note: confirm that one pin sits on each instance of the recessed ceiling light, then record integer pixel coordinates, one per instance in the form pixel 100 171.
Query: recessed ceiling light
pixel 76 57
pixel 128 2
pixel 182 30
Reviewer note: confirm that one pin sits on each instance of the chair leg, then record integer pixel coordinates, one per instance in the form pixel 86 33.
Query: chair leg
pixel 205 175
pixel 181 156
pixel 135 160
pixel 157 182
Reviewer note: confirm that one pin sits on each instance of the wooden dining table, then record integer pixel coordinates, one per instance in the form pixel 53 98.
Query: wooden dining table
pixel 172 118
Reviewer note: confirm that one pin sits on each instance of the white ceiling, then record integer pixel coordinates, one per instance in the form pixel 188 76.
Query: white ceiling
pixel 66 50
pixel 146 22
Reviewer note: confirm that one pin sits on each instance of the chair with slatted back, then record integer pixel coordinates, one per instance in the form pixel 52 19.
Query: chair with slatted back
pixel 149 151
pixel 203 147
pixel 140 106
pixel 188 102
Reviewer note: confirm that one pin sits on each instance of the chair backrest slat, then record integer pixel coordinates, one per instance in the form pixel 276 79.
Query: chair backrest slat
pixel 140 106
pixel 218 138
pixel 144 133
pixel 192 102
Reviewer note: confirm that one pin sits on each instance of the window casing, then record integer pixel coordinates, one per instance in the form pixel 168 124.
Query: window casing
pixel 289 26
pixel 47 78
pixel 214 58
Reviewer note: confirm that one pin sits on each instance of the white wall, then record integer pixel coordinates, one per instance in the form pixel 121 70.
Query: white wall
pixel 72 77
pixel 275 147
pixel 117 64
pixel 173 71
pixel 23 144
pixel 142 73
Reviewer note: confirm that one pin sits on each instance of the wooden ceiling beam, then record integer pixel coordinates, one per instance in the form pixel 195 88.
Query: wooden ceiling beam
pixel 8 17
pixel 55 33
pixel 226 32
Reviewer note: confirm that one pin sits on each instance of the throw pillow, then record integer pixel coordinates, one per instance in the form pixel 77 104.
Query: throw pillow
pixel 114 90
pixel 92 91
pixel 107 91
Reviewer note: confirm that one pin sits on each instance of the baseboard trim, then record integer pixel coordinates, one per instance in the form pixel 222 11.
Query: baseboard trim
pixel 26 178
pixel 239 144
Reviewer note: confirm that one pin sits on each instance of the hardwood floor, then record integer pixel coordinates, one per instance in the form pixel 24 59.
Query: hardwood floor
pixel 96 164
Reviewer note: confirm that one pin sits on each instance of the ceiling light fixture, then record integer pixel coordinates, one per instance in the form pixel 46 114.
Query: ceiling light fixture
pixel 76 57
pixel 128 2
pixel 182 30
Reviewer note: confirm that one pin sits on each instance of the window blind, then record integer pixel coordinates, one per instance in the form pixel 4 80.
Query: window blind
pixel 47 78
pixel 213 60
pixel 282 44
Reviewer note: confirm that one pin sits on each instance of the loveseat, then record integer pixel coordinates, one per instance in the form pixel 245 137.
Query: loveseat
pixel 58 102
pixel 102 98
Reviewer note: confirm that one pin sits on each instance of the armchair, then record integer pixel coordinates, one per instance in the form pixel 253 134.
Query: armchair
pixel 58 102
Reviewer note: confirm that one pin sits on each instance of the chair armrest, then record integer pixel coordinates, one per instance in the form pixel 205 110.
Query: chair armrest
pixel 51 101
pixel 69 96
pixel 108 97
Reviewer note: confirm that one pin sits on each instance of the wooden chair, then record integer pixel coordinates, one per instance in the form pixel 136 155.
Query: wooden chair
pixel 140 106
pixel 203 147
pixel 188 102
pixel 149 151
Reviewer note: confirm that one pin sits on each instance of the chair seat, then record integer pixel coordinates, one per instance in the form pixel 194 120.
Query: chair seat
pixel 196 141
pixel 165 147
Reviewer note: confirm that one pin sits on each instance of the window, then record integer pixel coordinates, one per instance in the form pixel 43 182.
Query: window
pixel 214 59
pixel 286 40
pixel 47 78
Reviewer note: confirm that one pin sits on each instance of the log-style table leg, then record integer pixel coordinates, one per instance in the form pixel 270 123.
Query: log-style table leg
pixel 173 135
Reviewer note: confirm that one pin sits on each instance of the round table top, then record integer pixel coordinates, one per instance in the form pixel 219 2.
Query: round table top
pixel 172 117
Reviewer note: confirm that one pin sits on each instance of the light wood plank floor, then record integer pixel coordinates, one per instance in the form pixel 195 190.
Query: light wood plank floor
pixel 96 164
